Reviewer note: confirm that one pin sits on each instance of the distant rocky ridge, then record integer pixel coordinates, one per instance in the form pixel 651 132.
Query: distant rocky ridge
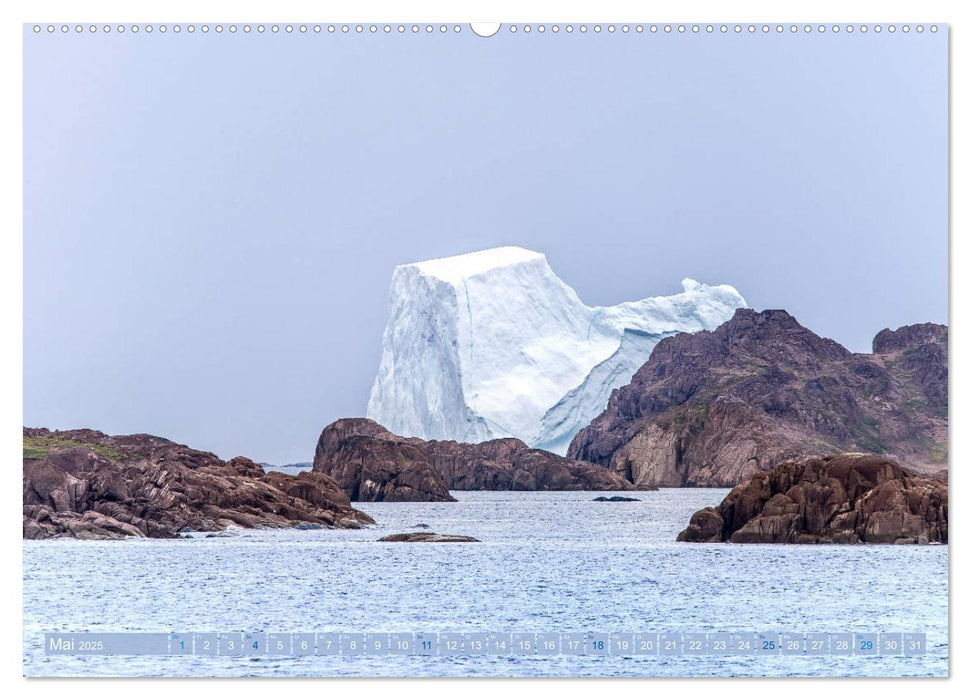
pixel 372 464
pixel 88 485
pixel 293 468
pixel 715 408
pixel 846 499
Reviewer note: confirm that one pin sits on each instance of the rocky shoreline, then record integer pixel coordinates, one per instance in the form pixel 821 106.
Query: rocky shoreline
pixel 87 485
pixel 744 406
pixel 844 499
pixel 84 484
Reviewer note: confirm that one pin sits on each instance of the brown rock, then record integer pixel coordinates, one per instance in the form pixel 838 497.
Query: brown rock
pixel 716 408
pixel 372 464
pixel 89 485
pixel 844 499
pixel 707 525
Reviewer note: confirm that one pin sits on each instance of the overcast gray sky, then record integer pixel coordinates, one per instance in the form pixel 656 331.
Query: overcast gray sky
pixel 211 221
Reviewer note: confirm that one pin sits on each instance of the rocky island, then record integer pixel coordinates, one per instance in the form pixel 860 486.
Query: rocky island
pixel 88 485
pixel 844 499
pixel 715 408
pixel 372 464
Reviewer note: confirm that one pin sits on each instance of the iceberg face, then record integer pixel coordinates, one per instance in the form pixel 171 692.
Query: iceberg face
pixel 494 344
pixel 587 401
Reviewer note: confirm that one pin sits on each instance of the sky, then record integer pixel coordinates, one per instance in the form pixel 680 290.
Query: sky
pixel 211 221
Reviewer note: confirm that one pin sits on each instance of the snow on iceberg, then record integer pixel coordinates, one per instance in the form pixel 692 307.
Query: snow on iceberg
pixel 493 344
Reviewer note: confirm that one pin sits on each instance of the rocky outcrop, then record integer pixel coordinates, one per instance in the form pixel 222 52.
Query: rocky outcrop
pixel 372 464
pixel 426 537
pixel 716 408
pixel 909 337
pixel 920 353
pixel 88 485
pixel 615 499
pixel 846 499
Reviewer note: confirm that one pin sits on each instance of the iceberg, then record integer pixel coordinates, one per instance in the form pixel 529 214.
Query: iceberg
pixel 493 344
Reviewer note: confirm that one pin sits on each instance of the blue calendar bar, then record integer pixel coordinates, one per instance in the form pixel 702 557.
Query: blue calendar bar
pixel 623 644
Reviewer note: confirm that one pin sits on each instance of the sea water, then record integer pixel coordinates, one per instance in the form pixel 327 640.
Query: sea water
pixel 547 562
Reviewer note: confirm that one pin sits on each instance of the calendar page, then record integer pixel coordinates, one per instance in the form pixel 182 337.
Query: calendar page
pixel 402 349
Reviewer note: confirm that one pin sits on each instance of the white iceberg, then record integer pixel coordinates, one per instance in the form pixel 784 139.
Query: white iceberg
pixel 494 344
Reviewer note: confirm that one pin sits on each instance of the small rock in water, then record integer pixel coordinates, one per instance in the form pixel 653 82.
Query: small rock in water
pixel 615 499
pixel 349 524
pixel 426 537
pixel 424 525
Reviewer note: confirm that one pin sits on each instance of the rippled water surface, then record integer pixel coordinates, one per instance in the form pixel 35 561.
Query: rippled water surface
pixel 548 562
